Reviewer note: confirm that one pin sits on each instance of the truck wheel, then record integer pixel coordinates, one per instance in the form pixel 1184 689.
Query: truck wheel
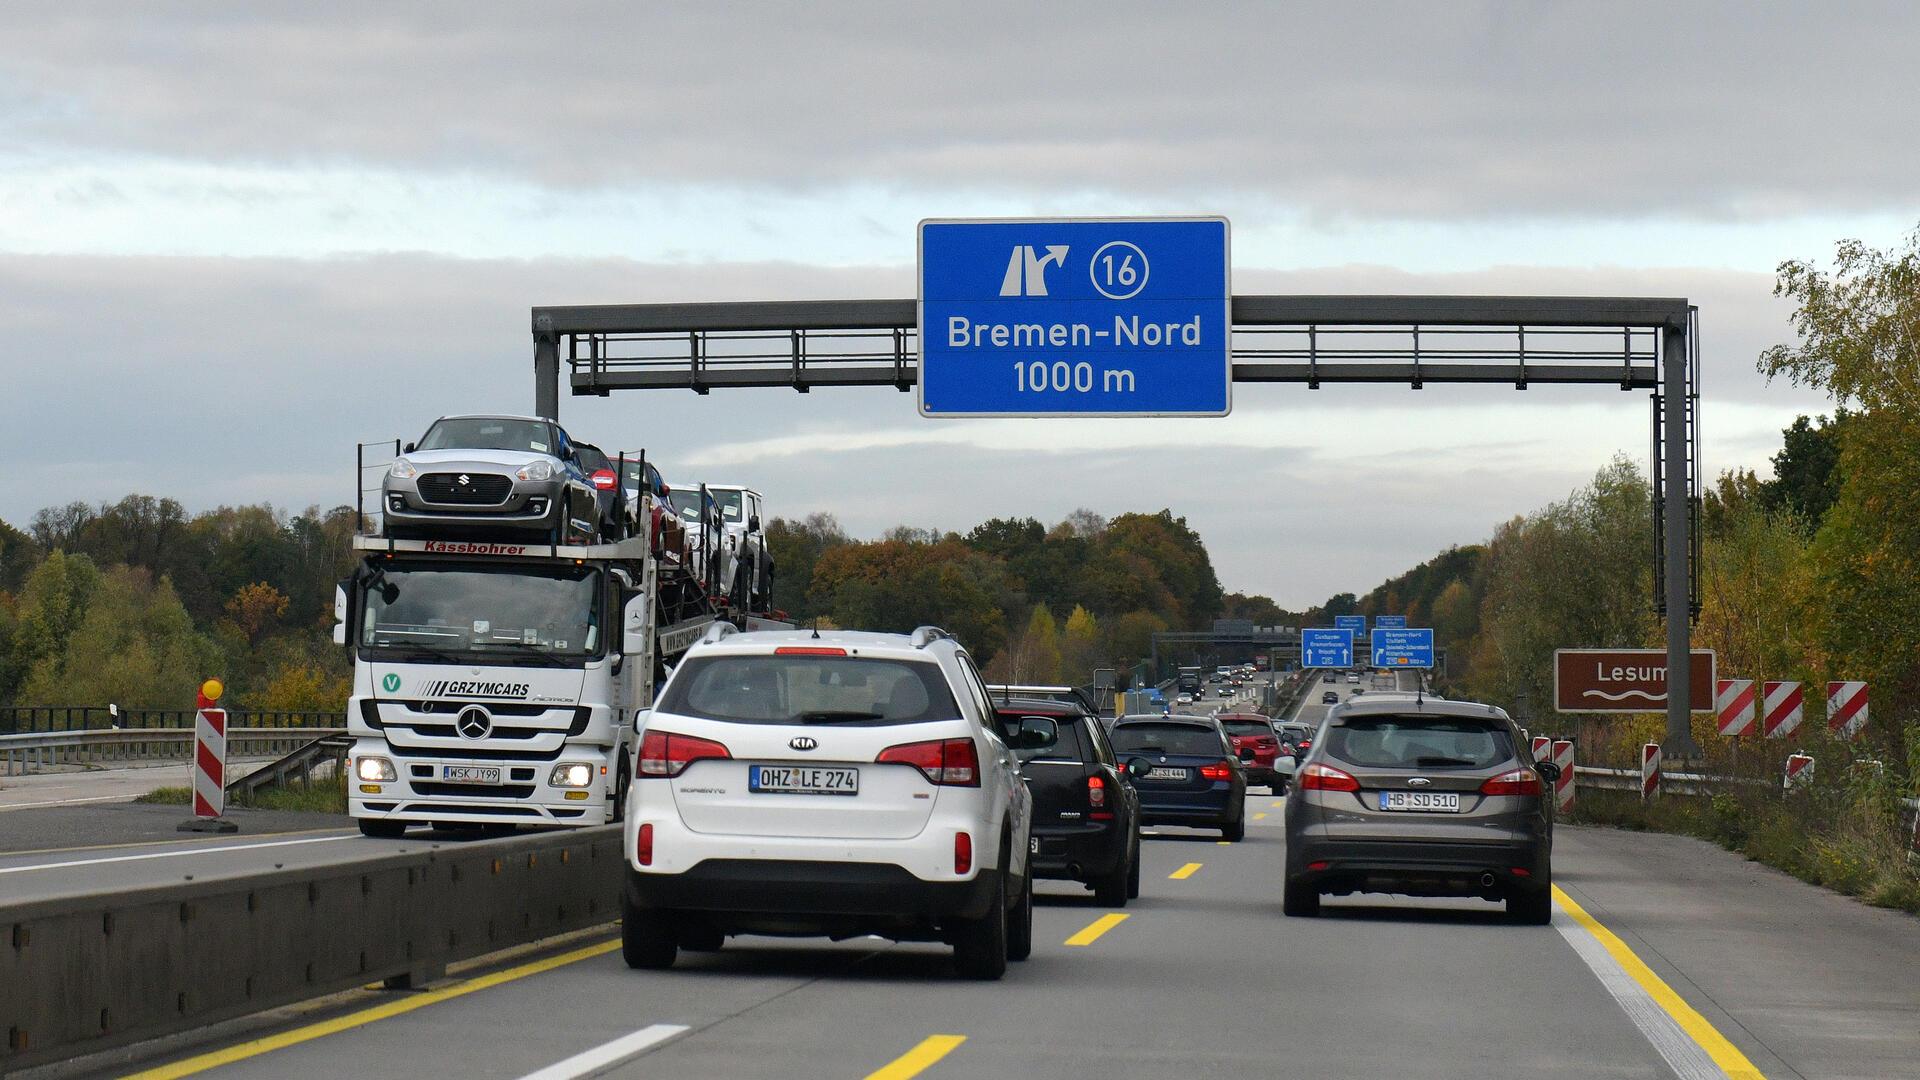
pixel 648 939
pixel 384 830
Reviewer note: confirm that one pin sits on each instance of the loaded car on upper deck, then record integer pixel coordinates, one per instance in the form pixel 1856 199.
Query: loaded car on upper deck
pixel 493 475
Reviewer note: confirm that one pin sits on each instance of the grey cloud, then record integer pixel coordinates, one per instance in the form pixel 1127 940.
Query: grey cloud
pixel 233 380
pixel 1721 110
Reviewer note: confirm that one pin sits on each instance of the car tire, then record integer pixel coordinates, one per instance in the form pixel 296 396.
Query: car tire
pixel 1110 890
pixel 1133 871
pixel 1531 907
pixel 1234 831
pixel 1301 899
pixel 1020 921
pixel 649 941
pixel 382 830
pixel 980 945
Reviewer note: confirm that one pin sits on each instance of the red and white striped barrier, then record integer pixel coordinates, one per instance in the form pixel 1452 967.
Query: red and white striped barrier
pixel 1783 700
pixel 1563 784
pixel 1542 748
pixel 1846 708
pixel 1799 772
pixel 1733 707
pixel 1649 770
pixel 209 762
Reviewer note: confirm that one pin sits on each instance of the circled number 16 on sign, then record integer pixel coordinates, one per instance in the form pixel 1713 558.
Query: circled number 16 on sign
pixel 1119 270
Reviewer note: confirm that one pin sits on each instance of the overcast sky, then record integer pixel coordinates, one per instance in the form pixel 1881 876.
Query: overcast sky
pixel 235 239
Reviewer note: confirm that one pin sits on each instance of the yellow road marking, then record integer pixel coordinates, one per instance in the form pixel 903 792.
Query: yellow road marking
pixel 1260 816
pixel 1724 1054
pixel 1186 871
pixel 915 1061
pixel 242 1051
pixel 1099 926
pixel 1276 804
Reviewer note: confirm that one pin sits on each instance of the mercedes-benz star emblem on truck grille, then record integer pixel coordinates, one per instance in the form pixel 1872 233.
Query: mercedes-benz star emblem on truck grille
pixel 474 723
pixel 802 743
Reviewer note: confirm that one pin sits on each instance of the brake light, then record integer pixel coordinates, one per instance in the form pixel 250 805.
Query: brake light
pixel 663 753
pixel 808 650
pixel 1517 782
pixel 604 480
pixel 953 762
pixel 1096 791
pixel 1326 778
pixel 1219 770
pixel 962 853
pixel 643 847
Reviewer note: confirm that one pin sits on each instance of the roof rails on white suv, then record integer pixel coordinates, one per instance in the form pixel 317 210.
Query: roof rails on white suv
pixel 926 635
pixel 719 631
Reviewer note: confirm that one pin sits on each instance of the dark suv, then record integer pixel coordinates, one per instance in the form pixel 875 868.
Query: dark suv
pixel 1421 798
pixel 1086 813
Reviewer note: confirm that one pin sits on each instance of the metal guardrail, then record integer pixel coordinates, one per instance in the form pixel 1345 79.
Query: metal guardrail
pixel 83 973
pixel 28 718
pixel 22 753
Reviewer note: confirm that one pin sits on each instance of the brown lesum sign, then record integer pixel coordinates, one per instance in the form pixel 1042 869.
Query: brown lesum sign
pixel 1625 680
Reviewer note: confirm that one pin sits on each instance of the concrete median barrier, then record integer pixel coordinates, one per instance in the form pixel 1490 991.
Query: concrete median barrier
pixel 90 972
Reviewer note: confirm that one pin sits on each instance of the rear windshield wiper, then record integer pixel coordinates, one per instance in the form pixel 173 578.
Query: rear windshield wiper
pixel 829 717
pixel 1439 761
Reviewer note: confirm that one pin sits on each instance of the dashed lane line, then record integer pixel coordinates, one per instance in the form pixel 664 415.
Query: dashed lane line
pixel 609 1054
pixel 1096 928
pixel 917 1060
pixel 1186 871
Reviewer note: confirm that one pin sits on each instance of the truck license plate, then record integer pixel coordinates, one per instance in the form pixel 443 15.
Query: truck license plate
pixel 470 774
pixel 802 780
pixel 1432 802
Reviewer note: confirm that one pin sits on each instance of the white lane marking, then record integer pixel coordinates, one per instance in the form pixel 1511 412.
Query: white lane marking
pixel 1688 1059
pixel 607 1055
pixel 170 854
pixel 66 802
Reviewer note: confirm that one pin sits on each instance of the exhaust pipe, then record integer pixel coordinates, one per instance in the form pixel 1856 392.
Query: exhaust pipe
pixel 1076 871
pixel 1487 880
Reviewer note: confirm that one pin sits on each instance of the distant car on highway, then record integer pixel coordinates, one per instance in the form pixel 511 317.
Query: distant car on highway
pixel 1252 731
pixel 1428 798
pixel 1086 813
pixel 836 784
pixel 1192 775
pixel 1330 677
pixel 1183 699
pixel 497 474
pixel 1331 697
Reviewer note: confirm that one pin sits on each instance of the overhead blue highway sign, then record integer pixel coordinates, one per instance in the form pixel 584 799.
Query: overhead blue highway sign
pixel 1326 648
pixel 1402 648
pixel 1390 622
pixel 1355 623
pixel 1075 317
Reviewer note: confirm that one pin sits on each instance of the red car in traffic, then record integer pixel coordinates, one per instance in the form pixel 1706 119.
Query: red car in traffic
pixel 1252 731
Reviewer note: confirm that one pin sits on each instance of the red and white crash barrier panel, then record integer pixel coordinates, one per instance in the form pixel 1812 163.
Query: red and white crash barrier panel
pixel 1733 707
pixel 1799 772
pixel 209 752
pixel 1542 748
pixel 1846 708
pixel 1563 784
pixel 1649 770
pixel 1782 714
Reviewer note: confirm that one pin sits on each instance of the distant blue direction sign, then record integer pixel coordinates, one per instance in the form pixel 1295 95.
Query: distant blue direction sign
pixel 1390 622
pixel 1075 317
pixel 1402 648
pixel 1324 648
pixel 1355 623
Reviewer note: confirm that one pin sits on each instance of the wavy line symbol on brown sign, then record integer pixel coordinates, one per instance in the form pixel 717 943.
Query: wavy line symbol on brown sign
pixel 1623 695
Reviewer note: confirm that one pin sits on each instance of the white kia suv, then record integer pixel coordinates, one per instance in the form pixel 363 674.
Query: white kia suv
pixel 832 784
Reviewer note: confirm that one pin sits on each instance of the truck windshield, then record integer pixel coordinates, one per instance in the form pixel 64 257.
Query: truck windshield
pixel 489 433
pixel 506 614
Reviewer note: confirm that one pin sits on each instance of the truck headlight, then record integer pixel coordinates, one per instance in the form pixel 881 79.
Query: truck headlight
pixel 375 770
pixel 536 470
pixel 402 469
pixel 574 774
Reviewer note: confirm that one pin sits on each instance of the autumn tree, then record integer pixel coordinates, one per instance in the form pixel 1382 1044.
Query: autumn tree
pixel 256 609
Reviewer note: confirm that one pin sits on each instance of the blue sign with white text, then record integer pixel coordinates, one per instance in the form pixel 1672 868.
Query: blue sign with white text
pixel 1355 623
pixel 1402 648
pixel 1390 622
pixel 1324 648
pixel 1075 317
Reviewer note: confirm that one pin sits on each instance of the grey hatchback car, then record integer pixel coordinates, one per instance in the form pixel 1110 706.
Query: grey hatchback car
pixel 1421 798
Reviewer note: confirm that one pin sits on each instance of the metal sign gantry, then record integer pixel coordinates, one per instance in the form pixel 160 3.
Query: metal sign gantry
pixel 1634 343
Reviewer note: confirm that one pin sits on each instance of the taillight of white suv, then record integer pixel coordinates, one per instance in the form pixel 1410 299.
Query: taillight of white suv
pixel 666 754
pixel 951 762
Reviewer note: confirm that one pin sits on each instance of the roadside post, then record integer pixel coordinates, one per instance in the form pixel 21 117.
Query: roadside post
pixel 1563 784
pixel 1649 771
pixel 209 763
pixel 1799 773
pixel 1542 748
pixel 1783 701
pixel 1847 708
pixel 1733 705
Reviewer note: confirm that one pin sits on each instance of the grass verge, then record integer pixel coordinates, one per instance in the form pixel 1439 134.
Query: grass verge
pixel 320 797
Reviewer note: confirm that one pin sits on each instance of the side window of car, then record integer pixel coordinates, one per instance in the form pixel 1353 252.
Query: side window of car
pixel 978 690
pixel 1097 732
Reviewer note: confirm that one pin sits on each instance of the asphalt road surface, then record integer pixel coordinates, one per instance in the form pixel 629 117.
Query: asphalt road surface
pixel 1203 977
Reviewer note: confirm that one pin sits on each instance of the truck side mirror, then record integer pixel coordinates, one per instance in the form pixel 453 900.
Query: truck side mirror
pixel 633 626
pixel 340 614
